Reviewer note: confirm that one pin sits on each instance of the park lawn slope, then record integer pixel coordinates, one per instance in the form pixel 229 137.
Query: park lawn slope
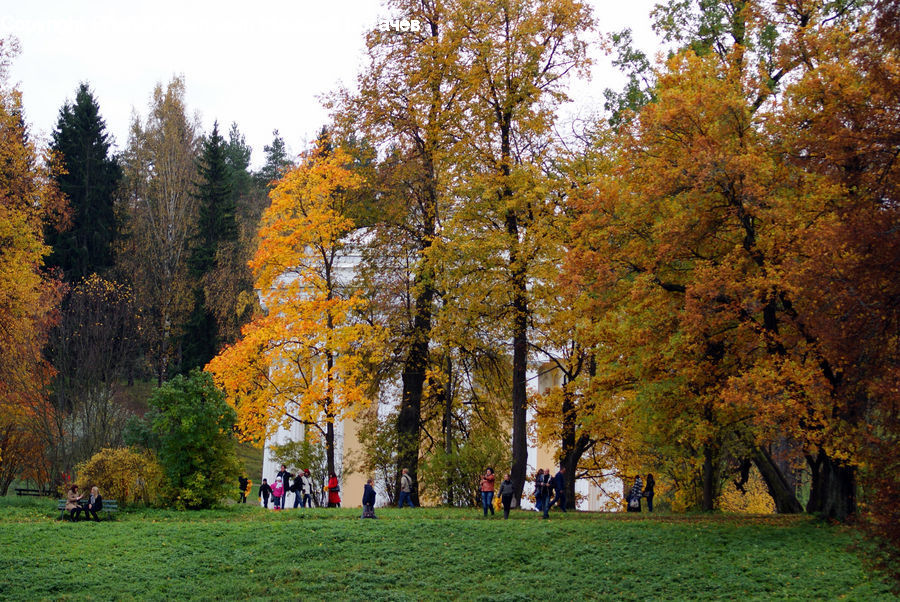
pixel 424 554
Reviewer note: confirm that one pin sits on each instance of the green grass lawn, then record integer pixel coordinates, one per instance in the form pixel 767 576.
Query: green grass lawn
pixel 423 554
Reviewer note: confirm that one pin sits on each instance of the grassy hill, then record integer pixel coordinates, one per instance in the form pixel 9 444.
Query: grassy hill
pixel 423 554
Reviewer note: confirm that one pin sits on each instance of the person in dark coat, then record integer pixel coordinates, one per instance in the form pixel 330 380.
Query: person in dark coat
pixel 648 491
pixel 94 505
pixel 265 490
pixel 506 495
pixel 559 488
pixel 242 485
pixel 546 486
pixel 368 499
pixel 298 487
pixel 538 492
pixel 285 481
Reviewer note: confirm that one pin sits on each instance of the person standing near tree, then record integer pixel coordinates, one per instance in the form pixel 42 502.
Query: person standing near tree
pixel 506 495
pixel 487 491
pixel 278 493
pixel 405 489
pixel 648 491
pixel 334 497
pixel 634 496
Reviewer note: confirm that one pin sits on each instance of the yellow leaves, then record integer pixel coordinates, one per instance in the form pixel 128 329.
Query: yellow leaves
pixel 309 357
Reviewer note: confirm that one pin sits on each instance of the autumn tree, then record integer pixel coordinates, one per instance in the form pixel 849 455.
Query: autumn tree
pixel 515 57
pixel 407 104
pixel 687 242
pixel 29 202
pixel 307 358
pixel 160 206
pixel 89 177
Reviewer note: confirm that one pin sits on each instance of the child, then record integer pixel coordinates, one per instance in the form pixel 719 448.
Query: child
pixel 265 491
pixel 368 499
pixel 278 492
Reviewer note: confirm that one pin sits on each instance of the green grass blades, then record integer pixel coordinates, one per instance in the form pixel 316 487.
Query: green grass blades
pixel 242 552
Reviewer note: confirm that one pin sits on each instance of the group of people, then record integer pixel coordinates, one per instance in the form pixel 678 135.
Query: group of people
pixel 75 504
pixel 300 484
pixel 639 490
pixel 547 491
pixel 550 490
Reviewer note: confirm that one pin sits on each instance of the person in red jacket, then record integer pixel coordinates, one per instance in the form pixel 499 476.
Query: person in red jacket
pixel 334 498
pixel 487 491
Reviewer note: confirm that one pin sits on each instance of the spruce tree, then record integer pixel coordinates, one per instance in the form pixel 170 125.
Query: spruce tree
pixel 216 227
pixel 90 180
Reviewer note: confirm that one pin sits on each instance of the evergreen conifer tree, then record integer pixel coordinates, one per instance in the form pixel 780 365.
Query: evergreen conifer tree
pixel 90 180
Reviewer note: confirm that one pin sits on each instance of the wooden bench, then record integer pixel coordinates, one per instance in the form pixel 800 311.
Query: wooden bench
pixel 109 506
pixel 34 492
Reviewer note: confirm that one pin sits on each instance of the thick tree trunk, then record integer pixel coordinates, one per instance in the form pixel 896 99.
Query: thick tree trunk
pixel 329 447
pixel 833 490
pixel 520 367
pixel 780 489
pixel 414 368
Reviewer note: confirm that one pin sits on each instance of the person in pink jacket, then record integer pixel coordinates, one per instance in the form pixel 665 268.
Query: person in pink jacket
pixel 278 492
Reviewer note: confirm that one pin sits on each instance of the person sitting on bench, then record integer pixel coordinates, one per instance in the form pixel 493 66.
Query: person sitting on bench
pixel 72 503
pixel 94 505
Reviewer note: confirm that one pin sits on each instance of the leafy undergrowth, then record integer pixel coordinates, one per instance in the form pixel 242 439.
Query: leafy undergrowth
pixel 424 554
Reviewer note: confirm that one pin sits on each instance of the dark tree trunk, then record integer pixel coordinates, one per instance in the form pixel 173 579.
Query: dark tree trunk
pixel 329 447
pixel 780 489
pixel 414 368
pixel 833 490
pixel 520 366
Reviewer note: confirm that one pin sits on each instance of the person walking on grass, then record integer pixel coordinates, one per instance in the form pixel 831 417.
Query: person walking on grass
pixel 648 491
pixel 73 503
pixel 405 489
pixel 298 487
pixel 242 485
pixel 334 497
pixel 265 490
pixel 487 491
pixel 559 488
pixel 506 495
pixel 368 499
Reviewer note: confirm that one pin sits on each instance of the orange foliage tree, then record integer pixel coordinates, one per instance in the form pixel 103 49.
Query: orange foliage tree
pixel 28 202
pixel 698 250
pixel 308 357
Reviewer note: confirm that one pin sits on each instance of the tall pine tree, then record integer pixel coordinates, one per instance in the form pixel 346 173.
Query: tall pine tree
pixel 216 227
pixel 90 180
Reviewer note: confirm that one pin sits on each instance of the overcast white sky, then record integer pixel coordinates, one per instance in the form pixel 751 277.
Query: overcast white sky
pixel 261 64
